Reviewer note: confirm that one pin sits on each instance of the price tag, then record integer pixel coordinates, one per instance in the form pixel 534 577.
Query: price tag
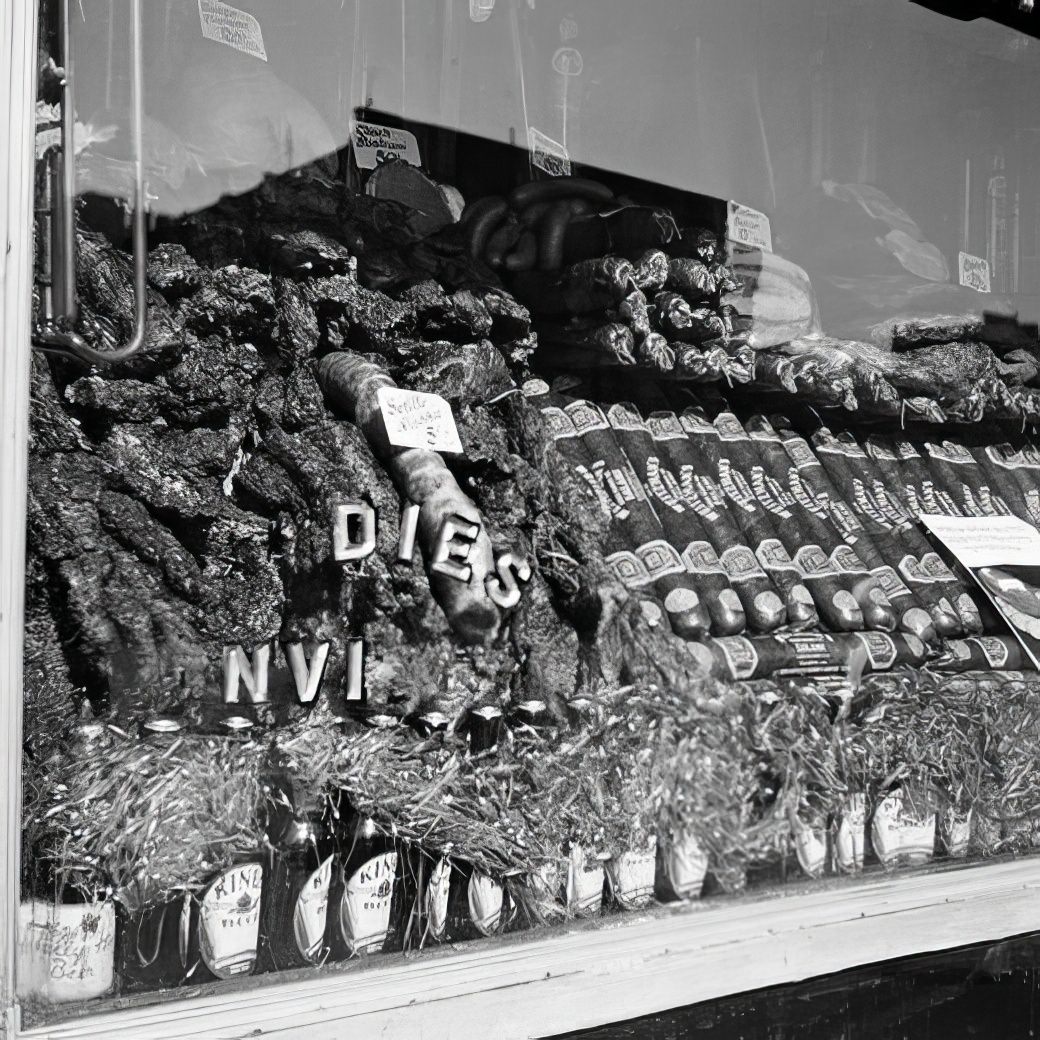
pixel 228 25
pixel 374 144
pixel 547 154
pixel 417 420
pixel 480 10
pixel 747 227
pixel 974 272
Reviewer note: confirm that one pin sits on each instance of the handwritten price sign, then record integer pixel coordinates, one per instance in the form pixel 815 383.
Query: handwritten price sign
pixel 228 25
pixel 974 272
pixel 374 144
pixel 417 420
pixel 747 227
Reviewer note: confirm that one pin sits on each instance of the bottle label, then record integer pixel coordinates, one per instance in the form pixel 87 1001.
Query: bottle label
pixel 584 882
pixel 364 910
pixel 485 903
pixel 437 889
pixel 229 921
pixel 312 906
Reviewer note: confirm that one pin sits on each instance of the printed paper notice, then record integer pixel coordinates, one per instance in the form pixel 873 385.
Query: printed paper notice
pixel 987 541
pixel 1002 554
pixel 375 144
pixel 230 26
pixel 974 271
pixel 547 154
pixel 417 420
pixel 747 227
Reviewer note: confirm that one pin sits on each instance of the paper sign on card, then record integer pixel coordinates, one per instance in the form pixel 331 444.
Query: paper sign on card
pixel 1002 554
pixel 547 154
pixel 230 26
pixel 974 272
pixel 375 144
pixel 987 541
pixel 747 227
pixel 417 420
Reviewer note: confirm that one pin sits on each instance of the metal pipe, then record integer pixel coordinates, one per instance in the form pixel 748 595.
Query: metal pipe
pixel 66 295
pixel 62 338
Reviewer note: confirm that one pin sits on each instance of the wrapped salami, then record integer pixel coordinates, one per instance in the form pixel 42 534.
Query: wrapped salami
pixel 637 550
pixel 812 653
pixel 683 525
pixel 723 547
pixel 888 523
pixel 847 596
pixel 901 459
pixel 810 484
pixel 727 445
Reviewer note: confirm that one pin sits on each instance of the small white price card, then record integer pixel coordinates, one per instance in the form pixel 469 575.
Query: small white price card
pixel 228 25
pixel 974 272
pixel 374 144
pixel 417 420
pixel 747 227
pixel 547 154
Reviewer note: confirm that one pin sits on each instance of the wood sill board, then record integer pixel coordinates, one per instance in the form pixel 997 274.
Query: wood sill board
pixel 582 975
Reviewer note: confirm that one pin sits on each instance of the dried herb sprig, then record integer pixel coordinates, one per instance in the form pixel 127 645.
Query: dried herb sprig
pixel 144 819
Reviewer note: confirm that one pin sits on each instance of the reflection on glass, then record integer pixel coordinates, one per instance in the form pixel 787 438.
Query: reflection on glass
pixel 881 140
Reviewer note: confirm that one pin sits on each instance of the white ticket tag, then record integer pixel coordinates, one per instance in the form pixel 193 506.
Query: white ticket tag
pixel 974 272
pixel 547 154
pixel 375 144
pixel 230 26
pixel 417 420
pixel 987 541
pixel 747 227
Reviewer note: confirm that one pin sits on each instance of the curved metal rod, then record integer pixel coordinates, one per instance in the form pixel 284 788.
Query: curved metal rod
pixel 65 340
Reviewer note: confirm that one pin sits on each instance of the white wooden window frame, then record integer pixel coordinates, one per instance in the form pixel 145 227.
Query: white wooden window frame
pixel 532 985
